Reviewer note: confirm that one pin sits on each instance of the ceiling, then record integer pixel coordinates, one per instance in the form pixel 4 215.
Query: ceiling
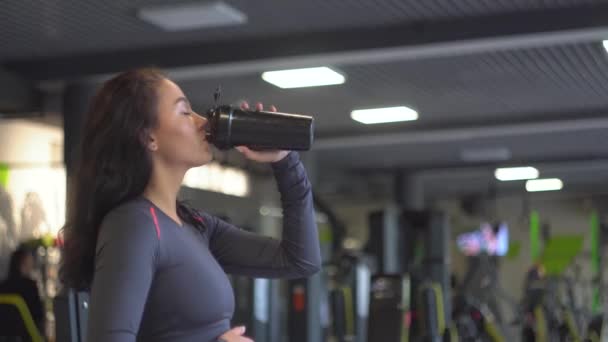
pixel 38 28
pixel 526 76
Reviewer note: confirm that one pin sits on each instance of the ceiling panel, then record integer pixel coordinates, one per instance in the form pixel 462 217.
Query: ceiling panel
pixel 40 28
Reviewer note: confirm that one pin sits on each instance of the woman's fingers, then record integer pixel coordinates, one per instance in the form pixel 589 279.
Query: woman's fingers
pixel 259 106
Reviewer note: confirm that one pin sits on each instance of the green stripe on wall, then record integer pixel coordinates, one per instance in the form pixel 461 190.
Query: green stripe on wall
pixel 534 236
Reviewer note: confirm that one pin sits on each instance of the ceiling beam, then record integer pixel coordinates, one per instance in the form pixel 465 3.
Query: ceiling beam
pixel 548 166
pixel 553 164
pixel 345 46
pixel 453 135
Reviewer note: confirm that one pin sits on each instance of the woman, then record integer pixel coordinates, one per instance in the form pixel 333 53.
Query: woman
pixel 155 267
pixel 19 281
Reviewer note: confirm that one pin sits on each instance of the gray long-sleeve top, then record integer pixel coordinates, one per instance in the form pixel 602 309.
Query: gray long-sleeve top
pixel 158 281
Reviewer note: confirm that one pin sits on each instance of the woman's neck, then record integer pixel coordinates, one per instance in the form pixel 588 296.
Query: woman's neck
pixel 163 187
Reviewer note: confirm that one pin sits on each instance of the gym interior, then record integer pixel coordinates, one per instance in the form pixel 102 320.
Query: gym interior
pixel 458 165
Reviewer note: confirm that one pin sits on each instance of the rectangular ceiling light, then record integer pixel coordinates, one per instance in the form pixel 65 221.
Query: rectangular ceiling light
pixel 300 78
pixel 549 184
pixel 192 16
pixel 516 173
pixel 605 43
pixel 384 115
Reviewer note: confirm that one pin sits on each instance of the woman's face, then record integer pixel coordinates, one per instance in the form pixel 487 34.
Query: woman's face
pixel 179 138
pixel 27 265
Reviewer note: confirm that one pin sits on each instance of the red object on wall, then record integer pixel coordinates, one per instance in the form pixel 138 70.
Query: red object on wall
pixel 298 298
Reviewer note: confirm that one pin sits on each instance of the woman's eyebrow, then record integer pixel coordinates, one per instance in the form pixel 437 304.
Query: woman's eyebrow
pixel 182 99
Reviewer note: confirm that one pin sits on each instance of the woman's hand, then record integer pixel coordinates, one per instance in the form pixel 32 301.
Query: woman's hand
pixel 261 156
pixel 235 335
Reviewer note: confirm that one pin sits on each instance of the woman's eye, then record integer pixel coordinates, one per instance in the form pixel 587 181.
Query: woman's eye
pixel 187 113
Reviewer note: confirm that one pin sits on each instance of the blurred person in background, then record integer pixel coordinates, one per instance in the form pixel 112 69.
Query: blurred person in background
pixel 20 282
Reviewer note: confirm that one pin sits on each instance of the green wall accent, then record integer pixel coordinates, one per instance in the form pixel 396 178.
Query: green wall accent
pixel 534 236
pixel 514 250
pixel 560 251
pixel 3 175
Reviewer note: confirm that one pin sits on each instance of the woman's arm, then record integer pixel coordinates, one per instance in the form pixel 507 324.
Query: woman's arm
pixel 296 255
pixel 125 262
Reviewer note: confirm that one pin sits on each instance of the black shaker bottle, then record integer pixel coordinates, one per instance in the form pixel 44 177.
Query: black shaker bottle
pixel 260 130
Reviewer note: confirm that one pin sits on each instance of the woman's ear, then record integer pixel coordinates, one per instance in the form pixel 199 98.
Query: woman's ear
pixel 152 145
pixel 149 140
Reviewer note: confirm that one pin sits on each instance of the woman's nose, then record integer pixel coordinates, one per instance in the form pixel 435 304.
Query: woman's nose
pixel 201 121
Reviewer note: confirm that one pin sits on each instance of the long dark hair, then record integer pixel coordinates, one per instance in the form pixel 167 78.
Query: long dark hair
pixel 113 166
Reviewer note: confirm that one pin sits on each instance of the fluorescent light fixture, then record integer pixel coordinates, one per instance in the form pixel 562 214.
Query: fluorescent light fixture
pixel 516 173
pixel 300 78
pixel 383 115
pixel 605 43
pixel 189 16
pixel 548 184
